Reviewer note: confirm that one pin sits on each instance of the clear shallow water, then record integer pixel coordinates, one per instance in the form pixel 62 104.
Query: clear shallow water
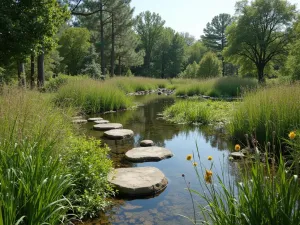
pixel 166 207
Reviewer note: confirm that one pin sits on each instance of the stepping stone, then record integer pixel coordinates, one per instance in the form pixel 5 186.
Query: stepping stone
pixel 118 134
pixel 138 181
pixel 79 121
pixel 101 121
pixel 77 118
pixel 148 154
pixel 94 119
pixel 146 143
pixel 107 126
pixel 237 155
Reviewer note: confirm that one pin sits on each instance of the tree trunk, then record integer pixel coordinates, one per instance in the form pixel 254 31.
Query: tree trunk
pixel 260 71
pixel 120 69
pixel 112 59
pixel 32 71
pixel 102 40
pixel 21 74
pixel 223 67
pixel 41 74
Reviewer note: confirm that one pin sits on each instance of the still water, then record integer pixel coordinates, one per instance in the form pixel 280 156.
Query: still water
pixel 174 202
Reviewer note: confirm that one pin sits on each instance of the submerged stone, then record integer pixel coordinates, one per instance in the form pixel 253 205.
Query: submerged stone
pixel 146 143
pixel 138 181
pixel 117 134
pixel 107 126
pixel 94 119
pixel 148 154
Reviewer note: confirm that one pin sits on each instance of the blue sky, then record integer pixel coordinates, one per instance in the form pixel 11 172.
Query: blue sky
pixel 187 15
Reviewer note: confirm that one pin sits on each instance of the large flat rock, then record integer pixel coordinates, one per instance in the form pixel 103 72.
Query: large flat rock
pixel 79 121
pixel 94 119
pixel 101 121
pixel 148 154
pixel 138 181
pixel 107 126
pixel 118 134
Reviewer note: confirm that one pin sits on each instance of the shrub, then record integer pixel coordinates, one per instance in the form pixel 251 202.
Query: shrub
pixel 209 66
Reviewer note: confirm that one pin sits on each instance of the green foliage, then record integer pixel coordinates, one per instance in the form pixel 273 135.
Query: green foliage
pixel 92 96
pixel 217 87
pixel 260 33
pixel 89 165
pixel 195 52
pixel 52 64
pixel 190 71
pixel 92 69
pixel 209 66
pixel 74 47
pixel 263 194
pixel 195 111
pixel 129 73
pixel 267 110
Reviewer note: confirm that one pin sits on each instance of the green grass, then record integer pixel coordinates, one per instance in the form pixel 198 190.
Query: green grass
pixel 92 96
pixel 40 155
pixel 197 111
pixel 216 87
pixel 265 111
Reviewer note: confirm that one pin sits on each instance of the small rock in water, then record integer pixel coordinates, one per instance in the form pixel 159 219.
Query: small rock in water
pixel 146 143
pixel 237 155
pixel 101 121
pixel 94 119
pixel 79 121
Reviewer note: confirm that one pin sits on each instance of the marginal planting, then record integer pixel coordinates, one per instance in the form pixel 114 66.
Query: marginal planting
pixel 197 111
pixel 217 87
pixel 92 96
pixel 267 110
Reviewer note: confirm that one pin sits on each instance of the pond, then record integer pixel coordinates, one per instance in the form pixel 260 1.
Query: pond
pixel 174 202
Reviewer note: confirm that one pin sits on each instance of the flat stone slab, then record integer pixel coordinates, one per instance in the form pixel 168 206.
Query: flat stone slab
pixel 79 121
pixel 138 181
pixel 94 119
pixel 101 121
pixel 107 126
pixel 148 154
pixel 118 134
pixel 237 155
pixel 77 118
pixel 146 143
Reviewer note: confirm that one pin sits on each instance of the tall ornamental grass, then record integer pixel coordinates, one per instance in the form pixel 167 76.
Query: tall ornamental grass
pixel 217 87
pixel 92 96
pixel 267 110
pixel 261 193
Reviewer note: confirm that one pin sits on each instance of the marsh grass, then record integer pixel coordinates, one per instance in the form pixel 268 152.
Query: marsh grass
pixel 263 194
pixel 267 110
pixel 216 87
pixel 92 96
pixel 197 111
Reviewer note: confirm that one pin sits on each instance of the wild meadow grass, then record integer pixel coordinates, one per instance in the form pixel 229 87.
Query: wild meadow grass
pixel 268 110
pixel 216 87
pixel 39 150
pixel 92 96
pixel 262 193
pixel 197 111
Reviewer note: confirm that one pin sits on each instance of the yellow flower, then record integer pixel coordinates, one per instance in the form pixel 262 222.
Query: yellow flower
pixel 292 135
pixel 207 176
pixel 189 157
pixel 195 164
pixel 209 157
pixel 237 147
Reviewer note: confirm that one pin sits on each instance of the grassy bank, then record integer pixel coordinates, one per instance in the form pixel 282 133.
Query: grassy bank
pixel 39 152
pixel 197 111
pixel 217 87
pixel 267 110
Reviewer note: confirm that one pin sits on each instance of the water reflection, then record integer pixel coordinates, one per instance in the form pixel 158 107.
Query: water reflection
pixel 167 207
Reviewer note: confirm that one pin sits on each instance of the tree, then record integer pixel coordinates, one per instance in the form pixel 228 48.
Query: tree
pixel 209 66
pixel 260 33
pixel 190 71
pixel 74 47
pixel 195 52
pixel 176 55
pixel 28 26
pixel 214 35
pixel 149 27
pixel 91 67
